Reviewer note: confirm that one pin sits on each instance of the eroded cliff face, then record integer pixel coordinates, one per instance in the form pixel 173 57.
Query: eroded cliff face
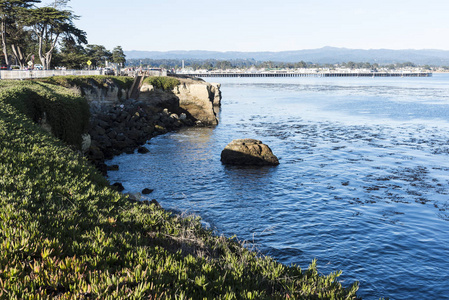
pixel 194 97
pixel 158 98
pixel 215 88
pixel 119 124
pixel 198 100
pixel 109 95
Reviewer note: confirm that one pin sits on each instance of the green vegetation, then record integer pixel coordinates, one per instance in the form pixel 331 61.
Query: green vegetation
pixel 99 81
pixel 165 83
pixel 89 81
pixel 27 29
pixel 66 113
pixel 246 64
pixel 49 34
pixel 72 55
pixel 65 233
pixel 118 56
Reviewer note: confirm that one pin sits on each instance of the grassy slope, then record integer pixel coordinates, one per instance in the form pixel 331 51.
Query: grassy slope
pixel 64 111
pixel 65 233
pixel 86 81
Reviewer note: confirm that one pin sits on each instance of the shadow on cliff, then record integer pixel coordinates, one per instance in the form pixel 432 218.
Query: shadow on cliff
pixel 160 99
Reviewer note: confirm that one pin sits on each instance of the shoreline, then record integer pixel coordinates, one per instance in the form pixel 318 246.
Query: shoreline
pixel 68 234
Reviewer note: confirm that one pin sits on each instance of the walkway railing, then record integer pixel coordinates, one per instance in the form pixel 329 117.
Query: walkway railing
pixel 22 74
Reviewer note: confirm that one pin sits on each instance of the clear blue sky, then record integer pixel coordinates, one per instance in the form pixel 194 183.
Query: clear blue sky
pixel 264 25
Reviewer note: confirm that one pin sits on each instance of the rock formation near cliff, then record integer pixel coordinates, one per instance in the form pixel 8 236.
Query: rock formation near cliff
pixel 119 124
pixel 194 97
pixel 107 95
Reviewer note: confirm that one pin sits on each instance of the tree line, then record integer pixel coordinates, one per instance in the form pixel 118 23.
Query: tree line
pixel 215 64
pixel 49 34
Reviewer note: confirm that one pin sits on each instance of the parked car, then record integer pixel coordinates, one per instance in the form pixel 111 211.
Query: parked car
pixel 38 67
pixel 3 67
pixel 14 67
pixel 108 71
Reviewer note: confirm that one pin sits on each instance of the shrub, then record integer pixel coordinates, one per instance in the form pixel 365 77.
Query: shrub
pixel 161 82
pixel 65 112
pixel 88 81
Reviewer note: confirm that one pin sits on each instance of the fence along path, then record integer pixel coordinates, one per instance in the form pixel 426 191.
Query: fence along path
pixel 22 74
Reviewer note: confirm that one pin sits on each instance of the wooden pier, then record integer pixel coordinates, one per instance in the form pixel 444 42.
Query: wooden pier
pixel 317 74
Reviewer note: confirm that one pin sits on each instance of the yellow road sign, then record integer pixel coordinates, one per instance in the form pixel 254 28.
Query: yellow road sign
pixel 89 62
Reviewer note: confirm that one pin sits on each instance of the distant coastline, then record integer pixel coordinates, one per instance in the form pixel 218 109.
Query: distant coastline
pixel 325 55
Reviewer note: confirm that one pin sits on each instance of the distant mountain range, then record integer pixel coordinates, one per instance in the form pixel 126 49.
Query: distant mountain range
pixel 324 55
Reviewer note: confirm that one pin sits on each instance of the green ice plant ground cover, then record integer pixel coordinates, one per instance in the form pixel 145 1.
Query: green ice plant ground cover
pixel 65 233
pixel 99 81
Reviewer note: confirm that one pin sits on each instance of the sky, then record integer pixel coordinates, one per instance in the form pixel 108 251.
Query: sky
pixel 263 25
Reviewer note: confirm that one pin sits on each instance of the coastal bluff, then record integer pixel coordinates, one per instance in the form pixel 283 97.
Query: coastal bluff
pixel 123 113
pixel 195 97
pixel 125 116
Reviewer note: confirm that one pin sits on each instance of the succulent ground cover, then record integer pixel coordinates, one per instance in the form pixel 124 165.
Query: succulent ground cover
pixel 65 233
pixel 87 81
pixel 66 113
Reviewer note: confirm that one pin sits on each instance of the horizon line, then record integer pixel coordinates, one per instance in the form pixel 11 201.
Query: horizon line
pixel 273 51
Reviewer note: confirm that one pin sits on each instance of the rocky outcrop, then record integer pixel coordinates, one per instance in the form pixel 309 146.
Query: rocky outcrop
pixel 198 100
pixel 215 88
pixel 194 97
pixel 248 152
pixel 121 125
pixel 122 128
pixel 158 98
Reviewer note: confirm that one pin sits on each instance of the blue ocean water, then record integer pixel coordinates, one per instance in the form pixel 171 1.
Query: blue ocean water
pixel 362 185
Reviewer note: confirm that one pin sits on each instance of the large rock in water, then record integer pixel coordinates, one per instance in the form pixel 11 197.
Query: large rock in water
pixel 248 152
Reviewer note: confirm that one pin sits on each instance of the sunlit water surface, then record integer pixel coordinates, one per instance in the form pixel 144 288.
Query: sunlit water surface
pixel 362 183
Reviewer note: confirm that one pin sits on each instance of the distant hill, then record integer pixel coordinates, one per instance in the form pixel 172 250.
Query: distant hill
pixel 323 55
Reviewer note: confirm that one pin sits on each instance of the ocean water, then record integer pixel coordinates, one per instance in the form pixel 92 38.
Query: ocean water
pixel 362 185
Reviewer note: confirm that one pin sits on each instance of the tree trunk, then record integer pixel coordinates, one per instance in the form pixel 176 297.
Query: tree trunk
pixel 40 52
pixel 49 54
pixel 48 59
pixel 5 51
pixel 19 55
